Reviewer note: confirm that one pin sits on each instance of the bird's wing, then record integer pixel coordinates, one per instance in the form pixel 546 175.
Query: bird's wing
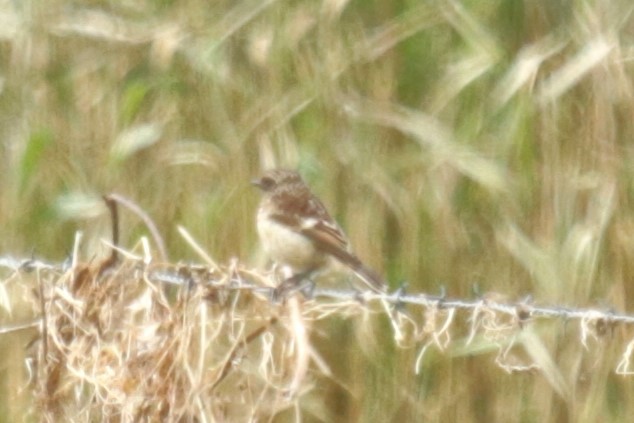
pixel 306 215
pixel 329 239
pixel 326 236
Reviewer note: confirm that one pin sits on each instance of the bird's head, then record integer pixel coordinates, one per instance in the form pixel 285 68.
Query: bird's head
pixel 273 178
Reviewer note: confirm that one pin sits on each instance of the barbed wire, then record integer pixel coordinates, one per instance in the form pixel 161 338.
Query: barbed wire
pixel 524 309
pixel 484 310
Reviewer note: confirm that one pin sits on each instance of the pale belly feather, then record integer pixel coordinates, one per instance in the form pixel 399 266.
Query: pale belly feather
pixel 287 247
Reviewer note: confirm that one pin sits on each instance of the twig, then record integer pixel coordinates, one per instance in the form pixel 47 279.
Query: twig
pixel 147 220
pixel 239 347
pixel 114 215
pixel 20 326
pixel 44 320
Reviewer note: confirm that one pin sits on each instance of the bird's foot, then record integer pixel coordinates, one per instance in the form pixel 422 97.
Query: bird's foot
pixel 299 282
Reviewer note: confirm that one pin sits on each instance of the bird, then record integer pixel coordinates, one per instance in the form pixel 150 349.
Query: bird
pixel 297 232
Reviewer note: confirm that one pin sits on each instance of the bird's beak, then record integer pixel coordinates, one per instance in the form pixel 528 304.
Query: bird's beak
pixel 257 182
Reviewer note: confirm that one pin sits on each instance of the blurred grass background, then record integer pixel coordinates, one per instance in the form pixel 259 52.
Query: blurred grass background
pixel 463 145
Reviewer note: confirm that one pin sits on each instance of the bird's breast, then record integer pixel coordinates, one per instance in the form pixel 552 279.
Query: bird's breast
pixel 287 247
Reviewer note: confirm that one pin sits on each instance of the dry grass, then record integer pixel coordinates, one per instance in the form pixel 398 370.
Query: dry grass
pixel 115 345
pixel 137 340
pixel 134 339
pixel 119 350
pixel 473 147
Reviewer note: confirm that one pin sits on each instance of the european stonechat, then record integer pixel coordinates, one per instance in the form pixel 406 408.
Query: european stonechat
pixel 297 231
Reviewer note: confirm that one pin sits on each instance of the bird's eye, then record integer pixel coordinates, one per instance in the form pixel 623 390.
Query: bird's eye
pixel 267 183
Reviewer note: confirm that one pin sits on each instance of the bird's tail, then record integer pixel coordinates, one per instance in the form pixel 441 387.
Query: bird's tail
pixel 367 275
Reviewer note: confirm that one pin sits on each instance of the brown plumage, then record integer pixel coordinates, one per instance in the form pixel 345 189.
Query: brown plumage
pixel 297 231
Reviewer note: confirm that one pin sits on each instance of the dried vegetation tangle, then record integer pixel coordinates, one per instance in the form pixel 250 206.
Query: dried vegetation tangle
pixel 128 339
